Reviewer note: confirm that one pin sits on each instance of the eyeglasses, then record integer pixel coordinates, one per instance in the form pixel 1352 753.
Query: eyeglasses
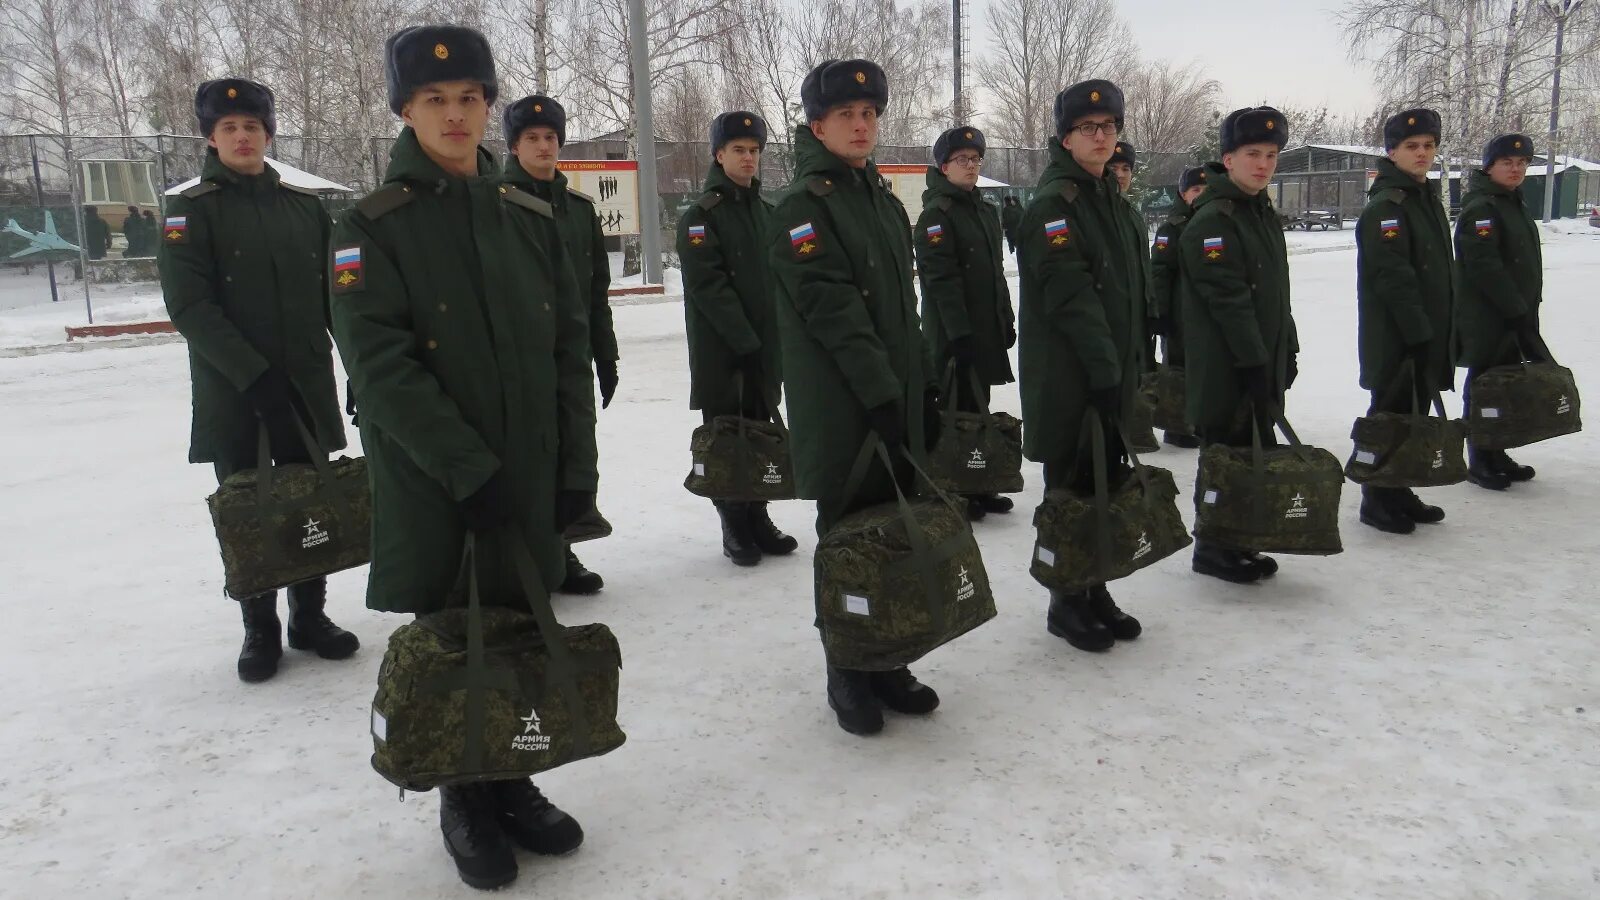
pixel 969 161
pixel 1088 129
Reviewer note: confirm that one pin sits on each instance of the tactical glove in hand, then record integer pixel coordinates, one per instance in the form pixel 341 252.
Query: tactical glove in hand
pixel 889 421
pixel 606 372
pixel 490 506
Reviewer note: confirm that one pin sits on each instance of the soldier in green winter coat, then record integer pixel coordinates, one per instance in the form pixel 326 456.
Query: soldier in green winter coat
pixel 1010 218
pixel 1166 302
pixel 735 361
pixel 464 336
pixel 1124 162
pixel 853 359
pixel 1240 342
pixel 536 130
pixel 1405 297
pixel 242 258
pixel 967 319
pixel 1499 286
pixel 1082 321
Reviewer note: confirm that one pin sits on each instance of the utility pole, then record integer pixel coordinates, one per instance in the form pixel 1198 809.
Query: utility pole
pixel 649 196
pixel 958 108
pixel 541 46
pixel 1561 9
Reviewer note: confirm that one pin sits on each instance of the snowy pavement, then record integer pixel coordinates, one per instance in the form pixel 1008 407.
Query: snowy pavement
pixel 1416 718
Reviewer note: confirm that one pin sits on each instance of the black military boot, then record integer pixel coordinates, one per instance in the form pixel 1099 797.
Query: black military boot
pixel 1381 509
pixel 1482 472
pixel 1071 618
pixel 472 836
pixel 853 701
pixel 263 638
pixel 579 580
pixel 1417 511
pixel 766 535
pixel 1502 462
pixel 737 543
pixel 1179 439
pixel 1266 565
pixel 1123 626
pixel 310 628
pixel 995 503
pixel 1229 565
pixel 975 508
pixel 900 690
pixel 533 822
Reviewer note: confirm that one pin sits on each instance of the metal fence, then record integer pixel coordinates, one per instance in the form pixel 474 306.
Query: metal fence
pixel 69 182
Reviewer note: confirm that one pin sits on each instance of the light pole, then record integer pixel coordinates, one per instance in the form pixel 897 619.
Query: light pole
pixel 649 197
pixel 1561 9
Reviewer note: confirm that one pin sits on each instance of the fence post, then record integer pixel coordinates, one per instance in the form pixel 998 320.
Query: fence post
pixel 38 197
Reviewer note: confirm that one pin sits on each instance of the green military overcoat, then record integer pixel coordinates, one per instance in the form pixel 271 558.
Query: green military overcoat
pixel 1166 302
pixel 962 269
pixel 1499 271
pixel 586 252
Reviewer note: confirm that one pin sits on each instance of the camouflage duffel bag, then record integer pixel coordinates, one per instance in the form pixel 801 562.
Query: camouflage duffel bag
pixel 1517 405
pixel 1167 391
pixel 899 579
pixel 280 525
pixel 1277 500
pixel 977 452
pixel 482 693
pixel 741 460
pixel 1399 450
pixel 1086 541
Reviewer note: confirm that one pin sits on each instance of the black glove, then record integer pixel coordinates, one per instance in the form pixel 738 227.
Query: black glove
pixel 889 421
pixel 606 372
pixel 1528 338
pixel 272 395
pixel 1259 390
pixel 1418 354
pixel 491 505
pixel 350 404
pixel 1011 335
pixel 1108 403
pixel 931 424
pixel 1160 327
pixel 964 350
pixel 572 506
pixel 1294 371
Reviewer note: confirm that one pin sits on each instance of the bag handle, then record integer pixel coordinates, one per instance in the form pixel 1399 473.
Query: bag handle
pixel 561 668
pixel 319 460
pixel 1093 429
pixel 948 385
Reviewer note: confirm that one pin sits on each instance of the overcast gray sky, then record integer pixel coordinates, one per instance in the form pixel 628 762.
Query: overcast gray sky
pixel 1272 51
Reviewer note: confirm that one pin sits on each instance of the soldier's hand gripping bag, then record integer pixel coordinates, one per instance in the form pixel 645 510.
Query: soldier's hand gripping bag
pixel 1085 541
pixel 1166 389
pixel 1408 450
pixel 280 525
pixel 1522 404
pixel 977 452
pixel 490 693
pixel 1277 500
pixel 899 579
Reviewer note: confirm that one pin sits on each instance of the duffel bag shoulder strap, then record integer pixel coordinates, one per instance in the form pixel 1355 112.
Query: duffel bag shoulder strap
pixel 326 481
pixel 1093 429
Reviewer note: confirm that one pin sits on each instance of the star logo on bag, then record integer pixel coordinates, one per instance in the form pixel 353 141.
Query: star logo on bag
pixel 772 468
pixel 1144 545
pixel 311 526
pixel 1438 459
pixel 1562 406
pixel 1299 501
pixel 530 722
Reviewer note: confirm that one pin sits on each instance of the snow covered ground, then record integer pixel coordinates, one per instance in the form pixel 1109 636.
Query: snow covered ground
pixel 1416 718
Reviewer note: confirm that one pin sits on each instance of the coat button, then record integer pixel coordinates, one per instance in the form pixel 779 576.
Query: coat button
pixel 443 307
pixel 227 278
pixel 237 253
pixel 866 293
pixel 433 345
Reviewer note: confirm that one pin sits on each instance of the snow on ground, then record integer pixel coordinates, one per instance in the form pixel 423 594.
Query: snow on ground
pixel 1416 718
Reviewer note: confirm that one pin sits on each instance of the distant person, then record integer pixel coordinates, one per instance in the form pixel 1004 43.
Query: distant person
pixel 243 258
pixel 1166 278
pixel 1010 217
pixel 133 234
pixel 97 233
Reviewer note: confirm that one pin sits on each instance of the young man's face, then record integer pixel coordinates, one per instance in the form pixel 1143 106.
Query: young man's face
pixel 1124 175
pixel 1093 150
pixel 740 159
pixel 1193 194
pixel 1252 166
pixel 849 131
pixel 537 149
pixel 1414 156
pixel 449 118
pixel 241 143
pixel 1509 171
pixel 962 168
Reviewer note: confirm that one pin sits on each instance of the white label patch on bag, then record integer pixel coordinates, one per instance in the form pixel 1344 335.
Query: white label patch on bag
pixel 380 726
pixel 856 605
pixel 1490 413
pixel 700 469
pixel 1366 457
pixel 1210 497
pixel 1046 556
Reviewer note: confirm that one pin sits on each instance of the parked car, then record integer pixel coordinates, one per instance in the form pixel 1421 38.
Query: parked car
pixel 1594 217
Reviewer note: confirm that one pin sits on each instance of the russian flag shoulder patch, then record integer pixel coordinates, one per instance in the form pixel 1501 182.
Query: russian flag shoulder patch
pixel 348 274
pixel 803 240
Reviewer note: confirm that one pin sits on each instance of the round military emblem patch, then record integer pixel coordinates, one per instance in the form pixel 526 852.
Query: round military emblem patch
pixel 1519 145
pixel 441 51
pixel 861 78
pixel 748 123
pixel 538 107
pixel 969 135
pixel 233 93
pixel 1094 96
pixel 1411 121
pixel 1271 125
